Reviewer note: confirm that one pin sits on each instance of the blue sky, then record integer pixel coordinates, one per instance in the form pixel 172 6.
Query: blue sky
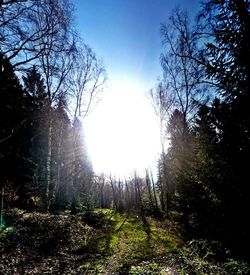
pixel 125 34
pixel 122 132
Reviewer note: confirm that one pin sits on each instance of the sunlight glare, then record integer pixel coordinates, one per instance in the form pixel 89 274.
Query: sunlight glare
pixel 122 133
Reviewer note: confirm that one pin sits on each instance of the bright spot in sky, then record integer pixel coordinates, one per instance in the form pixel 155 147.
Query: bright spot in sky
pixel 122 132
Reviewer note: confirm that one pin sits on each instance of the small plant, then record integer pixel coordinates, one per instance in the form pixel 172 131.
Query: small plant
pixel 93 267
pixel 154 267
pixel 237 267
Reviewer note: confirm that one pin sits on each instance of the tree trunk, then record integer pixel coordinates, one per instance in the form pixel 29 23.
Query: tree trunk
pixel 58 166
pixel 150 192
pixel 74 173
pixel 2 204
pixel 48 166
pixel 154 194
pixel 114 194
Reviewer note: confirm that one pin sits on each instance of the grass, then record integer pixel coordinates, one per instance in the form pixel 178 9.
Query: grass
pixel 107 243
pixel 147 246
pixel 130 239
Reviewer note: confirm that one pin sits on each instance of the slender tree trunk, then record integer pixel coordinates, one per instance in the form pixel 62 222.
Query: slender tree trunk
pixel 2 204
pixel 139 196
pixel 103 204
pixel 165 187
pixel 74 173
pixel 154 193
pixel 114 194
pixel 48 166
pixel 127 197
pixel 58 161
pixel 58 167
pixel 161 185
pixel 150 192
pixel 101 196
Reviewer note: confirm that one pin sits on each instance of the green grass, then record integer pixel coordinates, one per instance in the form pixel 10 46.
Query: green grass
pixel 129 240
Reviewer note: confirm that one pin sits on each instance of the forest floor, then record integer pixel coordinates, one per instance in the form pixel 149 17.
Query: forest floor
pixel 103 243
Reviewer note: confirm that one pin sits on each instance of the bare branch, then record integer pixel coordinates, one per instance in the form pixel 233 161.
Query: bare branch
pixel 87 80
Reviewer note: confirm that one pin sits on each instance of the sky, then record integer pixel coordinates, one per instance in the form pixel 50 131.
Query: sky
pixel 122 132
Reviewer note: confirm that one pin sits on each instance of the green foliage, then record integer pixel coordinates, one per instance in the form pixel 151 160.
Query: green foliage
pixel 227 49
pixel 203 257
pixel 239 267
pixel 129 241
pixel 6 231
pixel 152 268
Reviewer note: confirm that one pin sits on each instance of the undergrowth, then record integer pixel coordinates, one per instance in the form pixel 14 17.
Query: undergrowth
pixel 106 242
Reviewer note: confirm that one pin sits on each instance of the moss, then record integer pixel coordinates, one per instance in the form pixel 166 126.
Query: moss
pixel 4 231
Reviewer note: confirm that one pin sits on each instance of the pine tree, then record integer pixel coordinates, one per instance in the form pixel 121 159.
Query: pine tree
pixel 14 142
pixel 36 97
pixel 227 58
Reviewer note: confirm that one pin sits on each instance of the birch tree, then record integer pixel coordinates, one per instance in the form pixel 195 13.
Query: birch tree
pixel 56 61
pixel 87 80
pixel 26 25
pixel 183 75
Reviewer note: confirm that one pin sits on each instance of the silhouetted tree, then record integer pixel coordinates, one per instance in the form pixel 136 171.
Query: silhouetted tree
pixel 210 159
pixel 182 75
pixel 14 140
pixel 226 57
pixel 34 90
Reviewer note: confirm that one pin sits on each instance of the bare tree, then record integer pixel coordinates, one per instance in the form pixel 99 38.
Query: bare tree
pixel 56 59
pixel 151 192
pixel 163 100
pixel 55 68
pixel 27 27
pixel 87 79
pixel 86 82
pixel 182 86
pixel 182 74
pixel 41 32
pixel 114 192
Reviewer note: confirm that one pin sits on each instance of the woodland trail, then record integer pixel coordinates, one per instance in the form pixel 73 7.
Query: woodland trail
pixel 105 242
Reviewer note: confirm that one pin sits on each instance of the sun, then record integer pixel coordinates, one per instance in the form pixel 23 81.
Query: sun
pixel 122 133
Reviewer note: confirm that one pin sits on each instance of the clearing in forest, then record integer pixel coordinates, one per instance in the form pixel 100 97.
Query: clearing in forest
pixel 104 242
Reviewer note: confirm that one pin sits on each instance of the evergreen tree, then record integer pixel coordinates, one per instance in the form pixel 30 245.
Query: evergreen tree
pixel 227 58
pixel 14 140
pixel 82 172
pixel 36 97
